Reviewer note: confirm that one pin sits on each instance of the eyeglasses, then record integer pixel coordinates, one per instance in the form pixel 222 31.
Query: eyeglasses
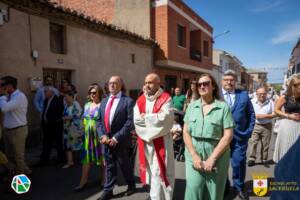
pixel 261 94
pixel 92 93
pixel 297 84
pixel 205 84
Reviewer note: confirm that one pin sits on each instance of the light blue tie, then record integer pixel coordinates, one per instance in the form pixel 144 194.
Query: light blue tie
pixel 228 99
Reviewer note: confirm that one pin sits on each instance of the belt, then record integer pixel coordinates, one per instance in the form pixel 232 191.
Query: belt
pixel 264 124
pixel 10 129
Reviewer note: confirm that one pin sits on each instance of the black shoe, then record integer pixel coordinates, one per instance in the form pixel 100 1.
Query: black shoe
pixel 130 191
pixel 106 196
pixel 80 188
pixel 243 195
pixel 266 163
pixel 251 163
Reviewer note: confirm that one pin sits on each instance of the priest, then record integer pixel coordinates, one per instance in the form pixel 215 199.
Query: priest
pixel 153 118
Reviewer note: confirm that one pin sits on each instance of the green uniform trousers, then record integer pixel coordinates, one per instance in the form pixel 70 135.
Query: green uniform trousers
pixel 206 185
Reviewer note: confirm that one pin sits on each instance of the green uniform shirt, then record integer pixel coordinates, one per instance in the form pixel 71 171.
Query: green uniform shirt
pixel 210 126
pixel 178 102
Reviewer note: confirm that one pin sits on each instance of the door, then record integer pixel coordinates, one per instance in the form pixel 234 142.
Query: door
pixel 58 75
pixel 170 82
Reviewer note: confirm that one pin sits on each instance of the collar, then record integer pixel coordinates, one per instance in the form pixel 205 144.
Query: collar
pixel 225 91
pixel 217 103
pixel 264 103
pixel 14 93
pixel 117 95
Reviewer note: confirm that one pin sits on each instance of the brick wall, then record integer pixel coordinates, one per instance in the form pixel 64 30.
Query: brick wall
pixel 165 21
pixel 99 9
pixel 159 31
pixel 192 14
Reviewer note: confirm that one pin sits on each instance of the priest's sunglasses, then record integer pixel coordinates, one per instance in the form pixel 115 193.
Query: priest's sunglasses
pixel 204 84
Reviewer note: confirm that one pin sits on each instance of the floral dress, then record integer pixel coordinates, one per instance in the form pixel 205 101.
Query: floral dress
pixel 92 149
pixel 73 128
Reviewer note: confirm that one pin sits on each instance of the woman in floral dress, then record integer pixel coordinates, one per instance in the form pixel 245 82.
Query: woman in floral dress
pixel 72 132
pixel 92 149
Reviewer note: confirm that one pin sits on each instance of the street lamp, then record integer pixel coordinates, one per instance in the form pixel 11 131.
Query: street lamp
pixel 223 33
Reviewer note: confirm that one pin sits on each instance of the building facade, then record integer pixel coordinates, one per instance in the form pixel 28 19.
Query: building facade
pixel 228 61
pixel 184 39
pixel 39 39
pixel 294 62
pixel 259 77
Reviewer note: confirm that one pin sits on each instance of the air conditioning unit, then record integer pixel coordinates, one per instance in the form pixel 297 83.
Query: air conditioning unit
pixel 3 16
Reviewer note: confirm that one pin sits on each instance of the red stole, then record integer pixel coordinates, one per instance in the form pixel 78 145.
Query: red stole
pixel 159 145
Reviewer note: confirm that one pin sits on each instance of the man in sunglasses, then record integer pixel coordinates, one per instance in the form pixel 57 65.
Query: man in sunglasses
pixel 14 105
pixel 244 118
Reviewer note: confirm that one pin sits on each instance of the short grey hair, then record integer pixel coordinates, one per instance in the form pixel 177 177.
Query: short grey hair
pixel 230 72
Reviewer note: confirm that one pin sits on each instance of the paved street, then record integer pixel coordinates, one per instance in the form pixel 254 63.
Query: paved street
pixel 54 183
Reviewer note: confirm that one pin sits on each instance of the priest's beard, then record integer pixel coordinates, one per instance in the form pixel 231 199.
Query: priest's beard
pixel 151 96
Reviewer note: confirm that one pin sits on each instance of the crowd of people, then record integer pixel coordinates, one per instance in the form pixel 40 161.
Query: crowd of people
pixel 207 128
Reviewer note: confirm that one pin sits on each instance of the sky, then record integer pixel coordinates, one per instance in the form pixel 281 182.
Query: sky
pixel 262 32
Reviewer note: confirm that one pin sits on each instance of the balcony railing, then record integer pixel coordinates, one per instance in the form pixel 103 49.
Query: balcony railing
pixel 195 55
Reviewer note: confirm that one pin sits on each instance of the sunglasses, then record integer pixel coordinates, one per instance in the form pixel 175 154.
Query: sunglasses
pixel 204 84
pixel 92 93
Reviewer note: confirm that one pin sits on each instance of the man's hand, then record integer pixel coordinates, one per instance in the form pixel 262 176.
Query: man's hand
pixel 113 142
pixel 104 139
pixel 143 115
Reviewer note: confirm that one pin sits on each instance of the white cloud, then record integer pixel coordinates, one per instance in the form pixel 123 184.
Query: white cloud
pixel 289 33
pixel 267 5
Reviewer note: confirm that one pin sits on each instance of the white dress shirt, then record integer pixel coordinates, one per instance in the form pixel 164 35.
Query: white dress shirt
pixel 114 106
pixel 231 94
pixel 15 109
pixel 266 108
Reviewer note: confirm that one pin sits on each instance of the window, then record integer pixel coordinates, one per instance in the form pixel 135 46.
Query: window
pixel 298 68
pixel 57 38
pixel 57 75
pixel 181 35
pixel 132 58
pixel 205 48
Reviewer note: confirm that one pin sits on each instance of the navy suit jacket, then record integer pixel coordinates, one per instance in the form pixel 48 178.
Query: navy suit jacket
pixel 122 123
pixel 243 115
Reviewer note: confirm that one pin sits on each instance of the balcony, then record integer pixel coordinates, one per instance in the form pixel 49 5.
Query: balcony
pixel 195 55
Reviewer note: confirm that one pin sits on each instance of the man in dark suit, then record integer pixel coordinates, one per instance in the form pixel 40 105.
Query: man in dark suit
pixel 115 127
pixel 52 126
pixel 244 118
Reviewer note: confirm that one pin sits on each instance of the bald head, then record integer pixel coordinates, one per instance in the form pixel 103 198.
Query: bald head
pixel 154 77
pixel 115 85
pixel 152 84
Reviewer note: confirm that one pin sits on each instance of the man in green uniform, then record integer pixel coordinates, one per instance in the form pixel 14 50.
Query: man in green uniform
pixel 178 100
